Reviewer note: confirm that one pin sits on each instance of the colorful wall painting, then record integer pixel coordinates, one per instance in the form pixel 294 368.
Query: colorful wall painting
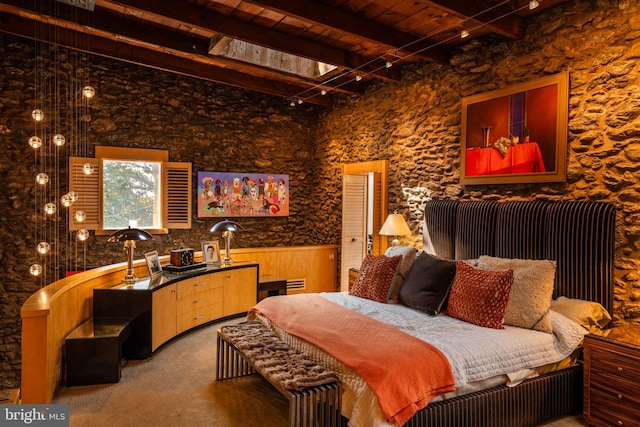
pixel 238 194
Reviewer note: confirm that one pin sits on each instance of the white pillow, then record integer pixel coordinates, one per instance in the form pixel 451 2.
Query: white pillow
pixel 531 293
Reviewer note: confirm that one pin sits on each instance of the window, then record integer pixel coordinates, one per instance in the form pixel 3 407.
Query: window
pixel 131 194
pixel 130 186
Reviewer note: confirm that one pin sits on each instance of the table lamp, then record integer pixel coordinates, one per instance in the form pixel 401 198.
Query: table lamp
pixel 227 228
pixel 129 236
pixel 395 225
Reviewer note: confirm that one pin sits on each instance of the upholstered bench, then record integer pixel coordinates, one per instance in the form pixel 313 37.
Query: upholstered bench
pixel 313 391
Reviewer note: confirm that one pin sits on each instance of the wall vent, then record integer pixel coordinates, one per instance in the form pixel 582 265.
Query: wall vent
pixel 296 284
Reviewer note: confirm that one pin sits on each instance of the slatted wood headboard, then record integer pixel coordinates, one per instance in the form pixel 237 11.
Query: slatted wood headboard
pixel 579 236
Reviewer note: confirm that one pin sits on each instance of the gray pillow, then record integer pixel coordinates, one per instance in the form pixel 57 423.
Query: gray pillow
pixel 408 255
pixel 427 284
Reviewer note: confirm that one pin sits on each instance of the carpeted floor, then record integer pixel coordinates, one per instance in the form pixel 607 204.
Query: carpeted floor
pixel 177 387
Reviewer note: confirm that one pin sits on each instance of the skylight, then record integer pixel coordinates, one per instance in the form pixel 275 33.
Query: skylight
pixel 240 50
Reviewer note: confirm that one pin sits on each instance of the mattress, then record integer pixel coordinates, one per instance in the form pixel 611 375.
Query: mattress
pixel 480 357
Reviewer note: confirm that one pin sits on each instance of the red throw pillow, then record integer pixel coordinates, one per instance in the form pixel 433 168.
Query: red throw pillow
pixel 479 296
pixel 376 274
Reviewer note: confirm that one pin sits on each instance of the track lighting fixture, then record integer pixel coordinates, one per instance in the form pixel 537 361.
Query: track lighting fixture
pixel 464 33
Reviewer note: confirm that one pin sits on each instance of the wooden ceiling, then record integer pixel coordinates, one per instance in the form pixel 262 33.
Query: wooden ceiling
pixel 363 39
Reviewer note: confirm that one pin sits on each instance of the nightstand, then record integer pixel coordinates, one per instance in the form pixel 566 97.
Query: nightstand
pixel 612 377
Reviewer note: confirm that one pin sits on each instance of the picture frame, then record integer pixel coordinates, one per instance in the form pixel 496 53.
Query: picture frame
pixel 211 253
pixel 517 134
pixel 242 194
pixel 153 263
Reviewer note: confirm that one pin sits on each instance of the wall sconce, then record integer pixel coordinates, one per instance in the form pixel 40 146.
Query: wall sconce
pixel 395 225
pixel 227 228
pixel 129 236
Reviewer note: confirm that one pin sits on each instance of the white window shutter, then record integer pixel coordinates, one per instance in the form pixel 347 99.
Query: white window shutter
pixel 88 189
pixel 177 194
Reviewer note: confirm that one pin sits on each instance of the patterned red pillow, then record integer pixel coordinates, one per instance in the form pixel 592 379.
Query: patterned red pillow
pixel 479 296
pixel 376 274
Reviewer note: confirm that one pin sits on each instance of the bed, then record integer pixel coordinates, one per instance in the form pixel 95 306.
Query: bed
pixel 578 237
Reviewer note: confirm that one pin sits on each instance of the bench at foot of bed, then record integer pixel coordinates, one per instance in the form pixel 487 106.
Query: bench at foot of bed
pixel 313 391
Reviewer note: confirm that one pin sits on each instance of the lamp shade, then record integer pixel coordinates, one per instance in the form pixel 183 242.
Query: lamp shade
pixel 226 225
pixel 395 225
pixel 129 234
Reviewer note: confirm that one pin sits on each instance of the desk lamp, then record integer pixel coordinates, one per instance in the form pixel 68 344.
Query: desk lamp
pixel 395 225
pixel 129 236
pixel 227 228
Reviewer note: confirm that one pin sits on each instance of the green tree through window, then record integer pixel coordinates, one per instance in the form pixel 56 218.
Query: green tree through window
pixel 131 194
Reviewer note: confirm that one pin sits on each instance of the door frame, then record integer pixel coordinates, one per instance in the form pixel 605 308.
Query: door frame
pixel 379 243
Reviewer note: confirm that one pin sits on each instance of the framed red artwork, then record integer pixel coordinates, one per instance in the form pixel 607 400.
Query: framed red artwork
pixel 516 134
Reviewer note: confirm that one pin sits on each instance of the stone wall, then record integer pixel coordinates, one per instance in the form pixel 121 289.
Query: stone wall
pixel 215 127
pixel 416 124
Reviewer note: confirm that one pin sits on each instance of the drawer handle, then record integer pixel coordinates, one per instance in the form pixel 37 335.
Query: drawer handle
pixel 620 396
pixel 200 284
pixel 199 300
pixel 620 423
pixel 198 317
pixel 620 369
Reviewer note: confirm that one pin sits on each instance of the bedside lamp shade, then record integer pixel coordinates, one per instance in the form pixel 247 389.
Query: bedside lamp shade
pixel 129 237
pixel 395 225
pixel 227 228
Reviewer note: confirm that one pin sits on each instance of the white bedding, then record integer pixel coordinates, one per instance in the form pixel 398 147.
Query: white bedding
pixel 475 353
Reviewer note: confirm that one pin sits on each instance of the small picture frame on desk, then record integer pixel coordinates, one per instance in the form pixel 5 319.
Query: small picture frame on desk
pixel 211 253
pixel 153 263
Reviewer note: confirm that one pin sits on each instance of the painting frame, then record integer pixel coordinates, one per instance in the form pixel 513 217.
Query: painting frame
pixel 153 263
pixel 546 161
pixel 242 194
pixel 211 260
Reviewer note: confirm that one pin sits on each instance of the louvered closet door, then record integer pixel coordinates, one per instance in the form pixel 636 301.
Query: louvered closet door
pixel 354 225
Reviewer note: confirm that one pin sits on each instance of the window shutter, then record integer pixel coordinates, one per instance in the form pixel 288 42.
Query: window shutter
pixel 88 189
pixel 177 194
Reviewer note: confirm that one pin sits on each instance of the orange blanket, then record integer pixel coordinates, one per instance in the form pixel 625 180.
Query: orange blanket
pixel 404 372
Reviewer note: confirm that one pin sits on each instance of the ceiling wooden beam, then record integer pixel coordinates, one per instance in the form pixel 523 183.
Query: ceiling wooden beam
pixel 329 17
pixel 193 47
pixel 146 57
pixel 484 16
pixel 209 20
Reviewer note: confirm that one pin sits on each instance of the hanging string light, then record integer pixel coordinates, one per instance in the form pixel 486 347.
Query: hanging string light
pixel 61 99
pixel 359 73
pixel 35 142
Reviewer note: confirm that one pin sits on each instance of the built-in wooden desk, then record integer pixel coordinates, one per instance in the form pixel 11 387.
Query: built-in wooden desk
pixel 173 303
pixel 53 312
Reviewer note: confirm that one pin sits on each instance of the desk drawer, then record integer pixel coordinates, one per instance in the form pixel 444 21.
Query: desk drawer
pixel 198 317
pixel 196 285
pixel 197 300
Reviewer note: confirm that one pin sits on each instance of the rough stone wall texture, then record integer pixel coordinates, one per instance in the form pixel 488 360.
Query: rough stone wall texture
pixel 416 124
pixel 217 128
